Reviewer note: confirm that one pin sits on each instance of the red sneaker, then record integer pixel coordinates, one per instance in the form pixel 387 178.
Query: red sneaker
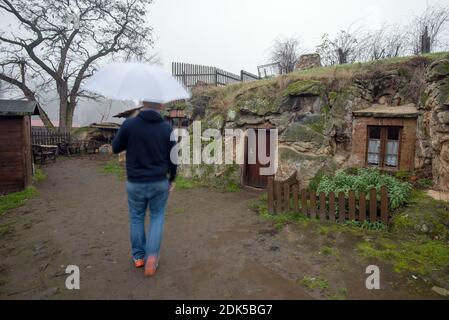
pixel 139 263
pixel 151 266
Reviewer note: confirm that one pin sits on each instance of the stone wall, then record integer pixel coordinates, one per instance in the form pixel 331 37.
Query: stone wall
pixel 308 61
pixel 436 120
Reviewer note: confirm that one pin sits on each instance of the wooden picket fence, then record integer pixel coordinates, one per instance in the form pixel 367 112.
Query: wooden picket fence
pixel 286 196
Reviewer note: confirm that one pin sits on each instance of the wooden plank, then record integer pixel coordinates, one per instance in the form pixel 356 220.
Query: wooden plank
pixel 332 207
pixel 373 205
pixel 351 205
pixel 312 204
pixel 304 207
pixel 270 192
pixel 295 198
pixel 286 197
pixel 362 206
pixel 384 205
pixel 341 207
pixel 278 197
pixel 323 210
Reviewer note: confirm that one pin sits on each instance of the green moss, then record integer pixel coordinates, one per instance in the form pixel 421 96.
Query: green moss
pixel 439 69
pixel 17 199
pixel 423 215
pixel 444 92
pixel 297 132
pixel 422 256
pixel 305 88
pixel 318 126
pixel 318 283
pixel 423 99
pixel 261 100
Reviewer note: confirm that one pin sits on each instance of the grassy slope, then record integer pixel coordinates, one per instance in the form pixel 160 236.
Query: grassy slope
pixel 223 98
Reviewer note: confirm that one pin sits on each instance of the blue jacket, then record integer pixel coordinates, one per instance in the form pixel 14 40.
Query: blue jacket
pixel 146 139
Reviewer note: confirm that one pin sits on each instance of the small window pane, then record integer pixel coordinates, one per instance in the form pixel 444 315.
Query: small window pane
pixel 391 161
pixel 373 152
pixel 393 133
pixel 391 157
pixel 373 158
pixel 374 146
pixel 374 132
pixel 393 147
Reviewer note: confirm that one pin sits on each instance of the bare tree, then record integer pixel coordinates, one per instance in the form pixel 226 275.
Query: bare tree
pixel 386 42
pixel 286 52
pixel 344 48
pixel 57 44
pixel 427 29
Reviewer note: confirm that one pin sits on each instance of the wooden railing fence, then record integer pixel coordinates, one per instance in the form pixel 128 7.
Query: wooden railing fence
pixel 44 137
pixel 191 75
pixel 286 196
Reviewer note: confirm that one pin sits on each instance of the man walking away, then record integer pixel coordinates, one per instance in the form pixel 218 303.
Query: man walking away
pixel 151 175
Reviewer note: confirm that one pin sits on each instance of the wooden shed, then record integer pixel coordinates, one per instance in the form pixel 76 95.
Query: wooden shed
pixel 15 144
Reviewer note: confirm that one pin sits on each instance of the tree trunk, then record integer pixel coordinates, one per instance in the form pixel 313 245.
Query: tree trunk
pixel 425 41
pixel 63 106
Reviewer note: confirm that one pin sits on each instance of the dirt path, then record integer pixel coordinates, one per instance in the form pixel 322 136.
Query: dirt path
pixel 214 248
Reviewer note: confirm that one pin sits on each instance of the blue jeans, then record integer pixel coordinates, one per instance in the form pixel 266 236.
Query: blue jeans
pixel 152 195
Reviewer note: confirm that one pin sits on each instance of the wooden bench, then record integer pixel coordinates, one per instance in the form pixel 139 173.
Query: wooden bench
pixel 43 152
pixel 75 147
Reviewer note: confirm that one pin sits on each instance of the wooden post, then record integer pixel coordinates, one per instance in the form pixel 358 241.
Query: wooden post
pixel 286 197
pixel 372 205
pixel 332 207
pixel 362 206
pixel 304 206
pixel 312 204
pixel 384 205
pixel 341 207
pixel 323 206
pixel 296 198
pixel 270 192
pixel 278 198
pixel 351 205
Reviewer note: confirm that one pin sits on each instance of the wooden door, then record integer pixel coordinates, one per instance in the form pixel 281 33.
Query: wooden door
pixel 252 176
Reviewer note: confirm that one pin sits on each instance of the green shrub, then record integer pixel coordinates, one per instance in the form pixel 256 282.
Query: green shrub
pixel 365 179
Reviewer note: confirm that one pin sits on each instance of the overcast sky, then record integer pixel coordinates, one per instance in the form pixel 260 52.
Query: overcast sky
pixel 237 34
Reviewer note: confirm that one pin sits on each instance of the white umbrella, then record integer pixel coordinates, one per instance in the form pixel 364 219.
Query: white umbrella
pixel 137 82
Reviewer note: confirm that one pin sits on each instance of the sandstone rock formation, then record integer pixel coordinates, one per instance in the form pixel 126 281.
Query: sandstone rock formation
pixel 308 61
pixel 314 116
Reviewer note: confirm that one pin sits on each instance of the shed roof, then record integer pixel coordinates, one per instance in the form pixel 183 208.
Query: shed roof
pixel 106 125
pixel 127 113
pixel 386 111
pixel 18 108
